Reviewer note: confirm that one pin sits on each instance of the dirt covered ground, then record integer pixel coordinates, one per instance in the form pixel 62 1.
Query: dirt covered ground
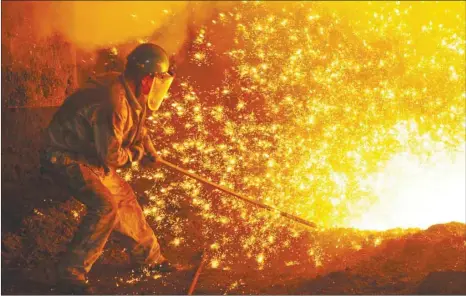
pixel 414 262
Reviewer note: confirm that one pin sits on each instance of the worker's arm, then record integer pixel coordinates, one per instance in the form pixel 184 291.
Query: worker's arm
pixel 144 147
pixel 138 149
pixel 108 133
pixel 146 151
pixel 149 147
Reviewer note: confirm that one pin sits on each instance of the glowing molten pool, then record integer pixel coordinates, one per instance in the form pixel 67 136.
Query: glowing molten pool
pixel 417 193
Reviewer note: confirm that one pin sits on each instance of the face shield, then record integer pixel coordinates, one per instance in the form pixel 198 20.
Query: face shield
pixel 159 90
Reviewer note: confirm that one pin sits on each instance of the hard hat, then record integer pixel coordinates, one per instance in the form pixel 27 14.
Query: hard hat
pixel 148 58
pixel 151 59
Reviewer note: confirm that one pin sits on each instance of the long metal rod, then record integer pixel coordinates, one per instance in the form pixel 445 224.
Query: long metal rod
pixel 197 274
pixel 229 191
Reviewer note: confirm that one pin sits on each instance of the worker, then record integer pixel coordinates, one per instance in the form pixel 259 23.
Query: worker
pixel 97 130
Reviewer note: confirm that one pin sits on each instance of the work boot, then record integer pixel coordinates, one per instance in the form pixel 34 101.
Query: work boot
pixel 74 287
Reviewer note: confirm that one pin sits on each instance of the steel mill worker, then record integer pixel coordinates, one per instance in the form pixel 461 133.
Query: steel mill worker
pixel 98 129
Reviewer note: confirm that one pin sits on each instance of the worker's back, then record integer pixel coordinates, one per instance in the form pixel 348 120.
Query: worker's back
pixel 71 128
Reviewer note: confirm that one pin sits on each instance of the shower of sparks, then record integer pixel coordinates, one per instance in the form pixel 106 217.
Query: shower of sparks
pixel 314 104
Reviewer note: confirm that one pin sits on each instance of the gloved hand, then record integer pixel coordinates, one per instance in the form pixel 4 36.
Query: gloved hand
pixel 150 160
pixel 152 157
pixel 137 153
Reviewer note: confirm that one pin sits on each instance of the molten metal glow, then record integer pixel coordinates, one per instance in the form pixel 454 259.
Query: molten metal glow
pixel 342 120
pixel 418 193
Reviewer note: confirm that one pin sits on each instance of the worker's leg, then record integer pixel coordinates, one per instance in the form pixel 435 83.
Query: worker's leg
pixel 132 223
pixel 96 225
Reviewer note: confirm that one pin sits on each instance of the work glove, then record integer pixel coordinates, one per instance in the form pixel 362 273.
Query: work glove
pixel 137 153
pixel 153 157
pixel 150 160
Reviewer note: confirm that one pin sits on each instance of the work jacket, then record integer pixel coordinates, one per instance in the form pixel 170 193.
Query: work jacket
pixel 104 121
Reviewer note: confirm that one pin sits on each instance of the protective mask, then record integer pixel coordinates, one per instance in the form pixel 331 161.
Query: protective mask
pixel 159 90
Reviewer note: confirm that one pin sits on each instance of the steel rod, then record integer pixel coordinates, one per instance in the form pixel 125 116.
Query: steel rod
pixel 197 274
pixel 237 195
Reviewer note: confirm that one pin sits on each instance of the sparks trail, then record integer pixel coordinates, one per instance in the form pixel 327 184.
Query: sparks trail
pixel 308 108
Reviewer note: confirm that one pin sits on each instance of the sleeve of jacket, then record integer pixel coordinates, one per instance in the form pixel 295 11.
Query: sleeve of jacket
pixel 137 149
pixel 143 147
pixel 108 132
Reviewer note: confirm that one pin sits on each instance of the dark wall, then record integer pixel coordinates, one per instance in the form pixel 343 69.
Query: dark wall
pixel 22 186
pixel 38 66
